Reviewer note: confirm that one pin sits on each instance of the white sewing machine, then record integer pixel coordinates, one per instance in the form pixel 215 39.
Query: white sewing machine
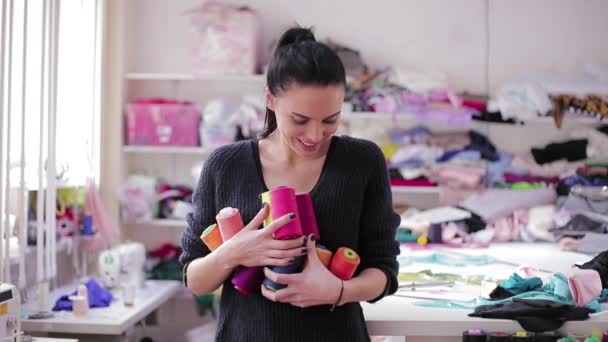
pixel 10 313
pixel 123 265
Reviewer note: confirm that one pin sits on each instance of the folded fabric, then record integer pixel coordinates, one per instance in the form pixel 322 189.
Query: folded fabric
pixel 459 176
pixel 585 285
pixel 98 297
pixel 411 182
pixel 515 285
pixel 509 228
pixel 600 264
pixel 515 178
pixel 580 225
pixel 573 150
pixel 558 168
pixel 534 315
pixel 481 143
pixel 496 203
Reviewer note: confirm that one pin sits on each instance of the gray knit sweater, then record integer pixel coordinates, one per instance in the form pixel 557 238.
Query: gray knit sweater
pixel 353 206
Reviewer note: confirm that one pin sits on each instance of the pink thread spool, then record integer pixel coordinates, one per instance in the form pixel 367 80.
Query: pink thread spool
pixel 308 220
pixel 247 280
pixel 230 222
pixel 283 202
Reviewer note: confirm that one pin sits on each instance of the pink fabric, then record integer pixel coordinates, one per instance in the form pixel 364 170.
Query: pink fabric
pixel 585 285
pixel 411 182
pixel 508 228
pixel 107 231
pixel 453 234
pixel 460 176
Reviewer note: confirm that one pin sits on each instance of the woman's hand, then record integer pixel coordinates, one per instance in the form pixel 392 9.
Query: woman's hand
pixel 256 247
pixel 315 285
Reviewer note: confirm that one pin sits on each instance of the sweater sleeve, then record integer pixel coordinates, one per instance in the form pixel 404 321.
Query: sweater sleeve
pixel 379 222
pixel 203 214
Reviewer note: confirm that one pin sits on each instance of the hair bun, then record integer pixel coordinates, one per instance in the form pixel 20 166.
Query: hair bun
pixel 296 35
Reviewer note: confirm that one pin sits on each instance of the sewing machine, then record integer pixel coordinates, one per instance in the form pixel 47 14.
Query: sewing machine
pixel 123 265
pixel 10 313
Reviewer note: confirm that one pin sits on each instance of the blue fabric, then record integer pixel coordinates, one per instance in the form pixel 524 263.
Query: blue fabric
pixel 444 259
pixel 467 155
pixel 447 156
pixel 518 285
pixel 496 170
pixel 98 297
pixel 557 290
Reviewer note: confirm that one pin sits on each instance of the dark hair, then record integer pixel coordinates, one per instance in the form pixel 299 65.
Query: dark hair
pixel 300 59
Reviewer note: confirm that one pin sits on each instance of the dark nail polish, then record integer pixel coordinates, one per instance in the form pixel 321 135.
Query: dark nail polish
pixel 292 260
pixel 304 250
pixel 292 216
pixel 305 240
pixel 313 238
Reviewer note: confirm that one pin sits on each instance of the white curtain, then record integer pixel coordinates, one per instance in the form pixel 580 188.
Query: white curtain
pixel 50 67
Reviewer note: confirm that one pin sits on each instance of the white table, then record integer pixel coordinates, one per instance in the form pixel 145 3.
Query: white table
pixel 398 316
pixel 112 320
pixel 47 339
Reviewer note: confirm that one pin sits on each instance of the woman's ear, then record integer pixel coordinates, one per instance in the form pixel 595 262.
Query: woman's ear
pixel 270 99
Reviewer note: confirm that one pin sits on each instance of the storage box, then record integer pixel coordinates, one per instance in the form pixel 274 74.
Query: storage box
pixel 162 123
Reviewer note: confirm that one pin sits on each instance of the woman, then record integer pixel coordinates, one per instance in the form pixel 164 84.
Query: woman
pixel 348 181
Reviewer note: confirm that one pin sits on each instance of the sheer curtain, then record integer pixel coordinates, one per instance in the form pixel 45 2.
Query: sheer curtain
pixel 50 86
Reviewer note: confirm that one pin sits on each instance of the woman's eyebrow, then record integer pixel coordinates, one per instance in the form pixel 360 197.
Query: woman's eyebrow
pixel 306 117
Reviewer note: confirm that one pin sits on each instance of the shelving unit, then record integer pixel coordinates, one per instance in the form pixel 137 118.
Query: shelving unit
pixel 141 76
pixel 199 151
pixel 169 223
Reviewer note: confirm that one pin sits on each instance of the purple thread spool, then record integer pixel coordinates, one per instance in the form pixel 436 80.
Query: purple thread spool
pixel 435 231
pixel 292 268
pixel 605 337
pixel 474 335
pixel 247 280
pixel 308 220
pixel 283 202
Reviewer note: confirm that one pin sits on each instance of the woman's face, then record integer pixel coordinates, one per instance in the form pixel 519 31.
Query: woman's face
pixel 307 117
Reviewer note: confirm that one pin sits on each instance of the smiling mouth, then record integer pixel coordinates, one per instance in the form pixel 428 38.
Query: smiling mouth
pixel 307 146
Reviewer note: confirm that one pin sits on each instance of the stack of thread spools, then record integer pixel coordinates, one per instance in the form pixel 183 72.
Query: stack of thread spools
pixel 281 201
pixel 476 335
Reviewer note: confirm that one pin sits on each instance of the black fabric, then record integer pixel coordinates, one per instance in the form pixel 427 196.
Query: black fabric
pixel 603 129
pixel 474 223
pixel 573 150
pixel 534 314
pixel 353 207
pixel 500 293
pixel 481 143
pixel 495 117
pixel 600 264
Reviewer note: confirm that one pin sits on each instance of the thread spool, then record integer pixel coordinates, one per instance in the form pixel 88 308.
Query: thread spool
pixel 592 339
pixel 499 337
pixel 247 280
pixel 324 255
pixel 230 222
pixel 80 306
pixel 344 263
pixel 522 336
pixel 295 267
pixel 474 335
pixel 212 237
pixel 87 225
pixel 548 337
pixel 308 220
pixel 605 337
pixel 265 197
pixel 568 339
pixel 283 202
pixel 435 231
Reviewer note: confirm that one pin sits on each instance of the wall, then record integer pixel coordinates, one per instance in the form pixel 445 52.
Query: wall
pixel 448 36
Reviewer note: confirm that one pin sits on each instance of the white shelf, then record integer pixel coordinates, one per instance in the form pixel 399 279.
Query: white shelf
pixel 411 118
pixel 169 223
pixel 168 150
pixel 138 76
pixel 413 190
